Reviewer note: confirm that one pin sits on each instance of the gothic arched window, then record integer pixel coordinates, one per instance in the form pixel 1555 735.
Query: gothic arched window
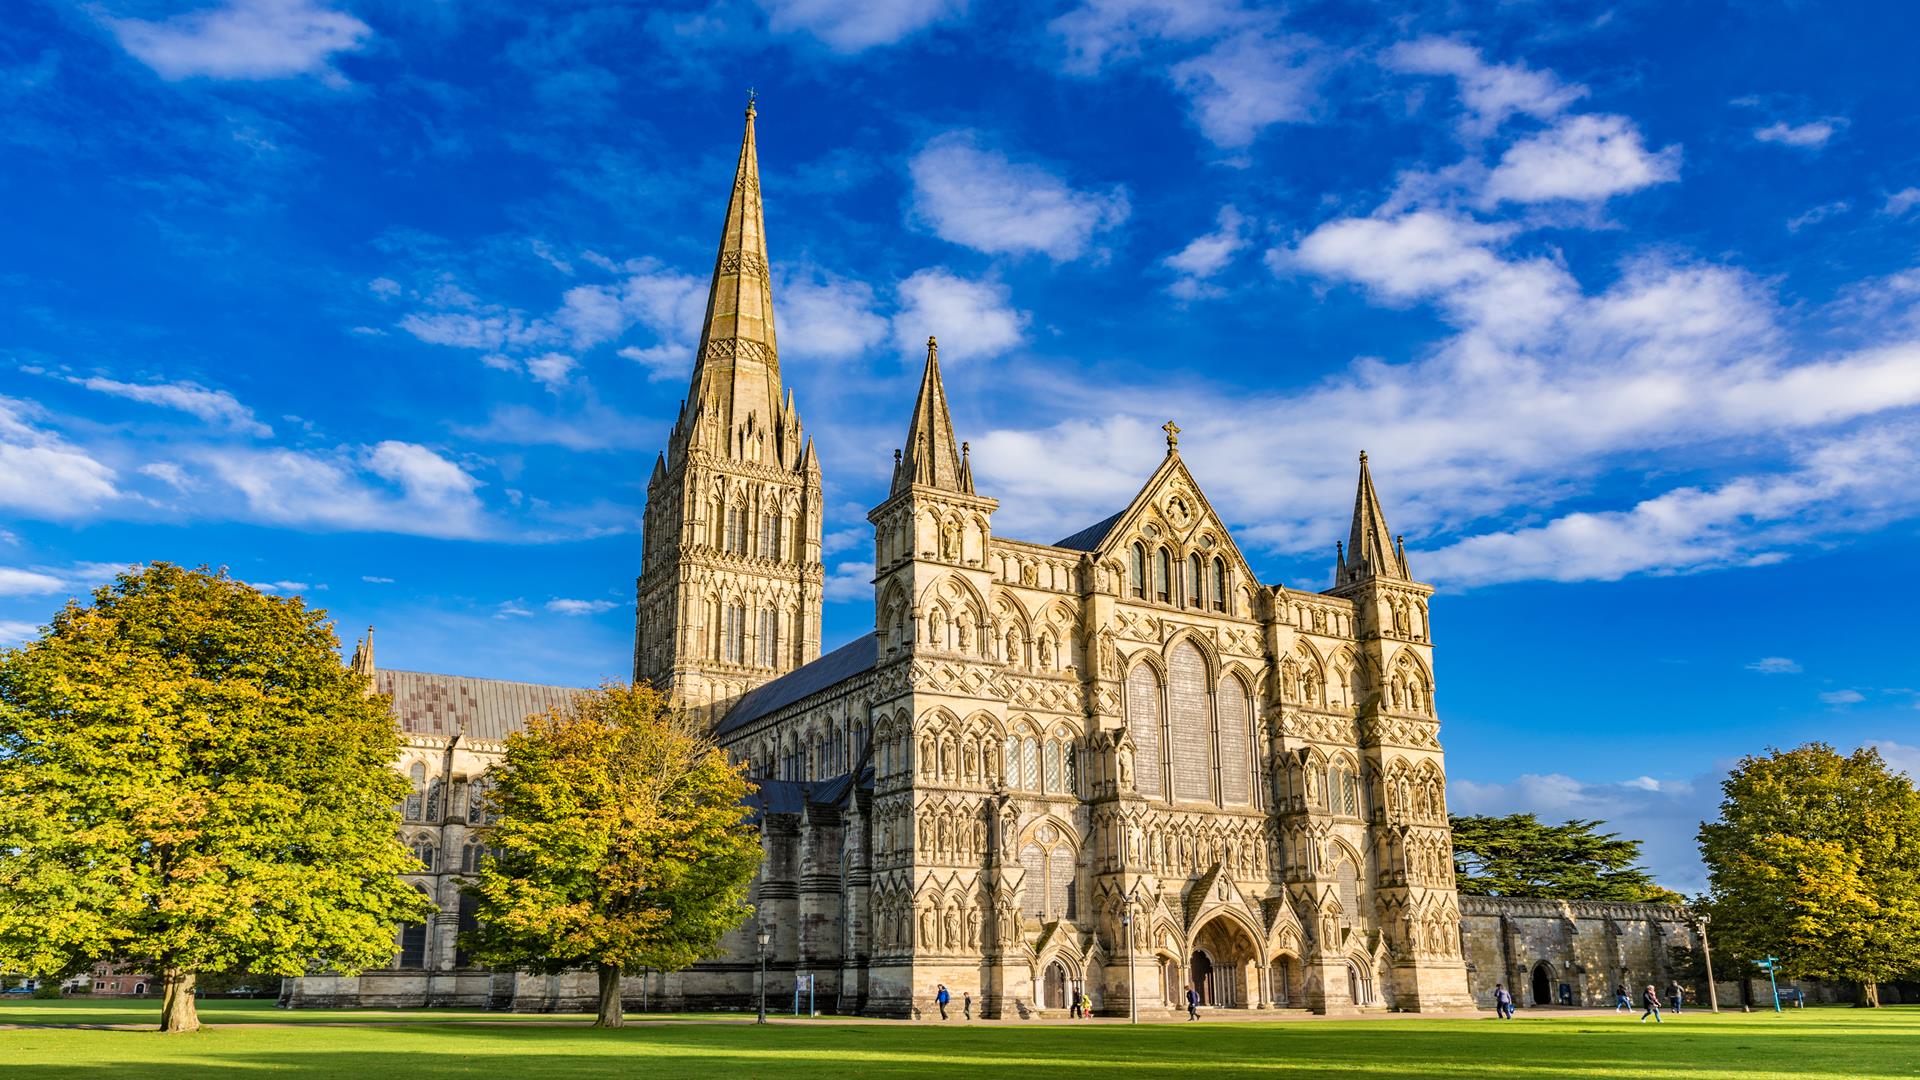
pixel 1219 584
pixel 1163 583
pixel 1139 568
pixel 1196 585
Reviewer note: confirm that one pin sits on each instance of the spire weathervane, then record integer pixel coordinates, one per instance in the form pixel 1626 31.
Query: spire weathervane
pixel 752 96
pixel 1173 435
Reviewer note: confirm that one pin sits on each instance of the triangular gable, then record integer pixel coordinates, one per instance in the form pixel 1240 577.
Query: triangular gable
pixel 1155 504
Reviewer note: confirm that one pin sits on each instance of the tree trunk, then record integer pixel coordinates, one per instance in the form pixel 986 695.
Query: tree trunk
pixel 610 1015
pixel 1869 994
pixel 177 1010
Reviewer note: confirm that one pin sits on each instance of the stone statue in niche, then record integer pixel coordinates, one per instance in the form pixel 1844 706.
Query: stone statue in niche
pixel 1028 575
pixel 950 542
pixel 1123 764
pixel 1046 652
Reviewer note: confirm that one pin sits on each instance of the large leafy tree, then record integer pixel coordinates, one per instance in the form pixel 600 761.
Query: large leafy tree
pixel 619 843
pixel 191 781
pixel 1520 855
pixel 1816 860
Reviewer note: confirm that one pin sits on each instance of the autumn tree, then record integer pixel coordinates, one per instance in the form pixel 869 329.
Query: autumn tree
pixel 1816 860
pixel 191 781
pixel 619 842
pixel 1520 855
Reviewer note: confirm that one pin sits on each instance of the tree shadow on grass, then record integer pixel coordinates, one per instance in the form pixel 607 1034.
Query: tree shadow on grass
pixel 1227 1051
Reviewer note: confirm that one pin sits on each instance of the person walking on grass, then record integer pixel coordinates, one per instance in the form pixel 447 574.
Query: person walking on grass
pixel 1193 1003
pixel 941 999
pixel 1502 1002
pixel 1073 1005
pixel 1621 1002
pixel 1675 992
pixel 966 1005
pixel 1086 1005
pixel 1652 1001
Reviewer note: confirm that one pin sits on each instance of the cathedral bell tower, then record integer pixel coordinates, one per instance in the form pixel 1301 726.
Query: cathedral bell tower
pixel 1418 905
pixel 730 583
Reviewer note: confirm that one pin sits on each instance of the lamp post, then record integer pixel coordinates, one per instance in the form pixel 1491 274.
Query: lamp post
pixel 763 937
pixel 1126 931
pixel 1706 949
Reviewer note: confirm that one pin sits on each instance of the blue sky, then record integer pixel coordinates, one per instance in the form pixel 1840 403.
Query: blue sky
pixel 391 304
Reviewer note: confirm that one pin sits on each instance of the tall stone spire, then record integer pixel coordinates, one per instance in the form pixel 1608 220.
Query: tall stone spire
pixel 1370 551
pixel 932 457
pixel 733 408
pixel 362 661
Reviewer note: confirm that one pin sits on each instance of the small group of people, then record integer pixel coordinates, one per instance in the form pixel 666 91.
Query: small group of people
pixel 1622 1002
pixel 1081 1009
pixel 942 998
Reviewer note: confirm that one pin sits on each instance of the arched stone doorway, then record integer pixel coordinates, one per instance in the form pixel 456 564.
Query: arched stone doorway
pixel 1223 955
pixel 1200 977
pixel 1054 995
pixel 1542 984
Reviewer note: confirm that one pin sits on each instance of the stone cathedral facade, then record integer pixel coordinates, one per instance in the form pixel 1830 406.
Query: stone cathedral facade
pixel 1117 763
pixel 1114 761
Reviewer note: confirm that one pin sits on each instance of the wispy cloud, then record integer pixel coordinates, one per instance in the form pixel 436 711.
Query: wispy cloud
pixel 212 406
pixel 1206 256
pixel 245 39
pixel 41 473
pixel 976 196
pixel 853 26
pixel 1490 93
pixel 1811 135
pixel 975 318
pixel 1583 158
pixel 1775 665
pixel 561 606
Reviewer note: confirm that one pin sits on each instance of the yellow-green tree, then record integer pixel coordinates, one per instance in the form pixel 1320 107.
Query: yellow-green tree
pixel 1816 860
pixel 619 842
pixel 191 781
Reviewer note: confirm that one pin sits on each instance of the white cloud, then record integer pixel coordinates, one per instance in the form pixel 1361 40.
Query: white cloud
pixel 825 317
pixel 1250 82
pixel 244 39
pixel 1817 214
pixel 41 474
pixel 1745 522
pixel 551 369
pixel 213 406
pixel 1490 92
pixel 291 588
pixel 494 328
pixel 850 581
pixel 580 607
pixel 384 287
pixel 972 318
pixel 1664 814
pixel 1901 201
pixel 1843 698
pixel 510 609
pixel 18 582
pixel 1811 135
pixel 373 580
pixel 424 494
pixel 1098 32
pixel 1775 665
pixel 1581 159
pixel 73 579
pixel 1543 389
pixel 14 632
pixel 978 197
pixel 851 26
pixel 1206 256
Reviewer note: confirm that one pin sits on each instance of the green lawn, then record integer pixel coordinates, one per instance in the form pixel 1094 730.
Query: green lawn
pixel 1814 1044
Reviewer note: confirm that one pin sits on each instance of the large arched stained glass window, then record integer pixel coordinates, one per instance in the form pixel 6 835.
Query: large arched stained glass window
pixel 1143 727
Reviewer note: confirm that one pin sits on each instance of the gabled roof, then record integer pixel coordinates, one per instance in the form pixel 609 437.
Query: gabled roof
pixel 1089 538
pixel 770 796
pixel 856 657
pixel 426 704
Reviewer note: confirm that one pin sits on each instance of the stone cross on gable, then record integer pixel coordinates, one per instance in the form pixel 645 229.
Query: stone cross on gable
pixel 1173 434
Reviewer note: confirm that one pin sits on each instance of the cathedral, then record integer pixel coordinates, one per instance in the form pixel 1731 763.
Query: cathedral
pixel 1116 764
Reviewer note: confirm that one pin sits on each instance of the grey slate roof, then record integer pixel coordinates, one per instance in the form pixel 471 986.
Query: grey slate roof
pixel 854 658
pixel 426 704
pixel 791 796
pixel 1089 538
